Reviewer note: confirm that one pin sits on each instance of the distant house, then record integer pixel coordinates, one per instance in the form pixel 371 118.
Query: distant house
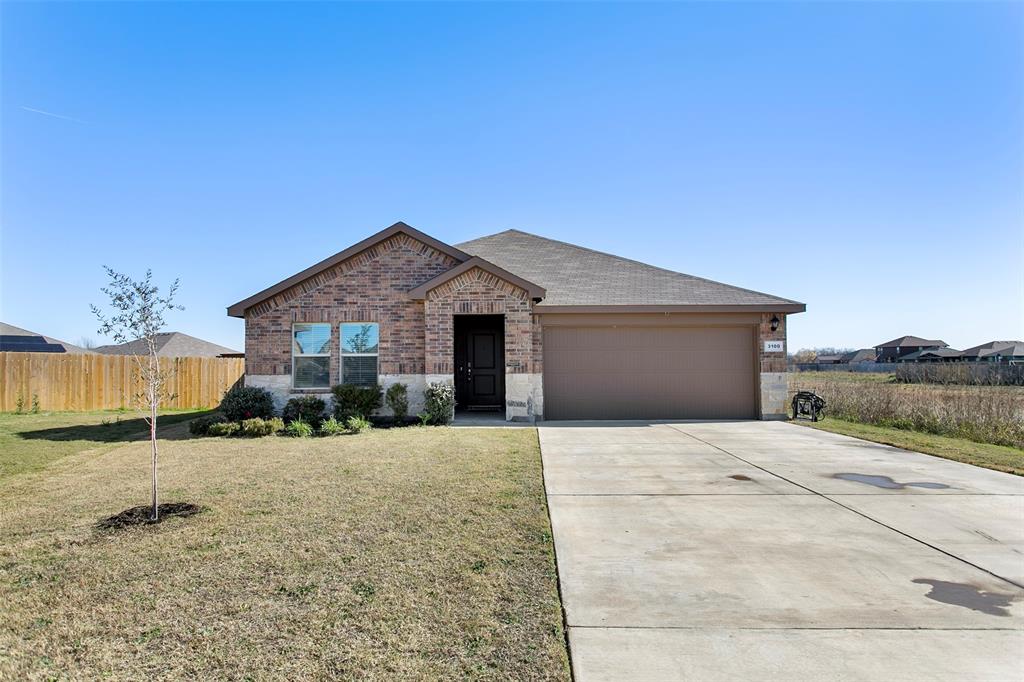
pixel 892 351
pixel 17 340
pixel 828 359
pixel 932 355
pixel 856 356
pixel 172 345
pixel 1010 352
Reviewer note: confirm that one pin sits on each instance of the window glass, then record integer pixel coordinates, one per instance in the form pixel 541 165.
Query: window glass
pixel 311 339
pixel 359 338
pixel 311 355
pixel 359 345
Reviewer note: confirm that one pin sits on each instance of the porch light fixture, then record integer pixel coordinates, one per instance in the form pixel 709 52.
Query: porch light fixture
pixel 775 323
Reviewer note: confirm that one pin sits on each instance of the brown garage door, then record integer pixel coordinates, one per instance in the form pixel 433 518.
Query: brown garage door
pixel 649 373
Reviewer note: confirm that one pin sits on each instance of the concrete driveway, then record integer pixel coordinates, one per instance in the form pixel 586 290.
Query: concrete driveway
pixel 765 550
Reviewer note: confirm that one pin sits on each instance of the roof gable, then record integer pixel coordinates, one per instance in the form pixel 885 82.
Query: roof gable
pixel 535 292
pixel 905 341
pixel 583 279
pixel 238 309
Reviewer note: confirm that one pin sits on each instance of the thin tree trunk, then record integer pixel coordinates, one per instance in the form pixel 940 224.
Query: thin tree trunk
pixel 152 439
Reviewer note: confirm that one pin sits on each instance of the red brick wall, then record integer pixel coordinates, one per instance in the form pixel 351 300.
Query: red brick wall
pixel 772 362
pixel 478 292
pixel 369 287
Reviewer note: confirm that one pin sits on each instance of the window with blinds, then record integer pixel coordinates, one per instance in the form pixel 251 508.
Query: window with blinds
pixel 359 345
pixel 311 355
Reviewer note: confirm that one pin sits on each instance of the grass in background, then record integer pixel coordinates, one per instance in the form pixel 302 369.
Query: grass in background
pixel 998 457
pixel 416 553
pixel 30 442
pixel 983 414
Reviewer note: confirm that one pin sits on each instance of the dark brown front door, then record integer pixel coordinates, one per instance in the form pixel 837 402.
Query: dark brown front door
pixel 480 362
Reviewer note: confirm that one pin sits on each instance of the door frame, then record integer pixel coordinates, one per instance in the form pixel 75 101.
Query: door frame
pixel 463 326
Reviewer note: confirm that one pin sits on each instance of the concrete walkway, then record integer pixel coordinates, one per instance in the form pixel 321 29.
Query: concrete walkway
pixel 765 550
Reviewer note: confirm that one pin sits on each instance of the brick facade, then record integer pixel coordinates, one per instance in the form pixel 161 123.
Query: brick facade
pixel 477 292
pixel 372 286
pixel 772 362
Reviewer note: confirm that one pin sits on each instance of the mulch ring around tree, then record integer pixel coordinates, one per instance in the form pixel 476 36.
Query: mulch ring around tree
pixel 140 516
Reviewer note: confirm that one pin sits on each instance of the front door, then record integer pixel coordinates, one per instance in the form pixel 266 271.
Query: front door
pixel 480 362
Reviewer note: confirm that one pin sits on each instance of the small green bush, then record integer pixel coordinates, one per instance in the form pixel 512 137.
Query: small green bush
pixel 440 407
pixel 307 408
pixel 201 426
pixel 356 400
pixel 298 429
pixel 247 402
pixel 256 427
pixel 357 424
pixel 398 400
pixel 223 429
pixel 332 427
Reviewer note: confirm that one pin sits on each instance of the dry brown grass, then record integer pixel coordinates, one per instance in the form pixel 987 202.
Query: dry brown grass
pixel 419 553
pixel 984 414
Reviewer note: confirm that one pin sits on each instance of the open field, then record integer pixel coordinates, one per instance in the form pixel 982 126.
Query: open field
pixel 983 414
pixel 417 553
pixel 997 457
pixel 29 442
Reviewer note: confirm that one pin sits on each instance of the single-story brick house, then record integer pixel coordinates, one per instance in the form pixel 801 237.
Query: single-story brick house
pixel 523 324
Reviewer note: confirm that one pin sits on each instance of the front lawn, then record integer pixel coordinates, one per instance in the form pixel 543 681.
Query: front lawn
pixel 416 553
pixel 998 457
pixel 29 442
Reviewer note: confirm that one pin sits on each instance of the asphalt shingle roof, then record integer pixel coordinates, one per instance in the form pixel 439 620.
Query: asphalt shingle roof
pixel 905 341
pixel 577 276
pixel 171 345
pixel 9 330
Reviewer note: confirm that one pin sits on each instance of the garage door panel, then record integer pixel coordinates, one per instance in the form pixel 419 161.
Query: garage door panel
pixel 649 373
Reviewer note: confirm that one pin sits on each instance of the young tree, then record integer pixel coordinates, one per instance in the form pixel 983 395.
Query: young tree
pixel 137 314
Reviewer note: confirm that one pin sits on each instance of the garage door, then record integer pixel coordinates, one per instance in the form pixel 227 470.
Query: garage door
pixel 649 373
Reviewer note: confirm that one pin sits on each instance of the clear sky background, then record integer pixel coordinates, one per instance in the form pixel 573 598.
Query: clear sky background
pixel 865 158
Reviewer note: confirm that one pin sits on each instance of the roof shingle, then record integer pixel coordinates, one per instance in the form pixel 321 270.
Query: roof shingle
pixel 577 276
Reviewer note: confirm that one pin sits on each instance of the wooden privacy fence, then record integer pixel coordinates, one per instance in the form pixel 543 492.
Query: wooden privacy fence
pixel 86 381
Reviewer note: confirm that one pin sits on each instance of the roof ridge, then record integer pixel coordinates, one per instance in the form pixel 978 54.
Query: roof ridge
pixel 631 260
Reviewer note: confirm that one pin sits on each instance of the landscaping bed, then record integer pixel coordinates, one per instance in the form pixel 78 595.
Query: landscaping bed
pixel 413 553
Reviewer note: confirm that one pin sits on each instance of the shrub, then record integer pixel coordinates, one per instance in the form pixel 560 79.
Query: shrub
pixel 256 427
pixel 357 424
pixel 298 429
pixel 332 427
pixel 398 400
pixel 356 400
pixel 440 407
pixel 201 426
pixel 246 402
pixel 308 408
pixel 223 429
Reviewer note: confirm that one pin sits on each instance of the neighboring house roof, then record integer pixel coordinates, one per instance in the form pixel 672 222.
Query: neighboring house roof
pixel 17 340
pixel 932 353
pixel 1002 348
pixel 829 358
pixel 171 345
pixel 862 355
pixel 576 276
pixel 905 341
pixel 564 276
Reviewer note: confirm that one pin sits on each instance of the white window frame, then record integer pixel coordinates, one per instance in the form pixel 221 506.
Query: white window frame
pixel 342 354
pixel 330 341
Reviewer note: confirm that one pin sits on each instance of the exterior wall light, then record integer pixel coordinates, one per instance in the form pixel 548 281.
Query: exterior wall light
pixel 775 323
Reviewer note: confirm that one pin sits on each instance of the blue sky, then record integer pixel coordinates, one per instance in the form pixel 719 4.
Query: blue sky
pixel 867 159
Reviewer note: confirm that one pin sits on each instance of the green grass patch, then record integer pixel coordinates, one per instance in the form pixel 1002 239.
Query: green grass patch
pixel 398 554
pixel 997 457
pixel 30 442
